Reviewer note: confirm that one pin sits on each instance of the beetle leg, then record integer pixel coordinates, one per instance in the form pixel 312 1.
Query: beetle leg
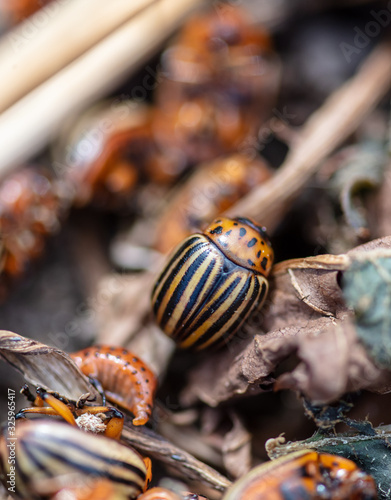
pixel 58 406
pixel 40 411
pixel 148 477
pixel 25 390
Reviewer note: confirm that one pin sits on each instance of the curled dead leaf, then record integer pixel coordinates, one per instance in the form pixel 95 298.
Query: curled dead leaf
pixel 333 362
pixel 45 366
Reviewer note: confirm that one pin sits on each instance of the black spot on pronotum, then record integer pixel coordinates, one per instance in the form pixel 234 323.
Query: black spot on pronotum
pixel 251 262
pixel 142 369
pixel 303 472
pixel 242 231
pixel 258 254
pixel 263 263
pixel 223 243
pixel 235 223
pixel 252 242
pixel 217 230
pixel 228 232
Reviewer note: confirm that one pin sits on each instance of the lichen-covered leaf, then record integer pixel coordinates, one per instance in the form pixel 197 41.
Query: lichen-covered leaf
pixel 361 169
pixel 367 289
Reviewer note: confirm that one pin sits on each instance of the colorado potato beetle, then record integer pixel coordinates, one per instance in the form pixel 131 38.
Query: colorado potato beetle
pixel 212 282
pixel 45 454
pixel 306 475
pixel 126 380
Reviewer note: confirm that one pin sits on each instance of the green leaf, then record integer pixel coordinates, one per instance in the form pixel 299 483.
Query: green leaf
pixel 367 290
pixel 371 453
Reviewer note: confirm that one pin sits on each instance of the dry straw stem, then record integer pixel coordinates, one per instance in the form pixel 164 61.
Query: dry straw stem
pixel 324 131
pixel 54 37
pixel 30 123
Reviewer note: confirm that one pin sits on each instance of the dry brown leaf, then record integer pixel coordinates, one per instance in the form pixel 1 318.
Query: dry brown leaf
pixel 299 311
pixel 333 362
pixel 46 367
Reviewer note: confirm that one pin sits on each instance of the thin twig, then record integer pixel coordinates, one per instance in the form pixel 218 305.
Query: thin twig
pixel 55 36
pixel 153 445
pixel 324 131
pixel 29 124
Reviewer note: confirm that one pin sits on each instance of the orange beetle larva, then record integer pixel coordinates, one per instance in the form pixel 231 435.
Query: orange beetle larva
pixel 126 380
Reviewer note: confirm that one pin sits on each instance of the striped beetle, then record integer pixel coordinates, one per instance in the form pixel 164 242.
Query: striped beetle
pixel 212 282
pixel 42 456
pixel 305 474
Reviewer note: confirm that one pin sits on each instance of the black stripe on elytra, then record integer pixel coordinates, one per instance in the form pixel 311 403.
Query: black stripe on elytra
pixel 183 247
pixel 21 476
pixel 170 278
pixel 228 267
pixel 227 314
pixel 79 450
pixel 82 465
pixel 256 297
pixel 179 290
pixel 196 293
pixel 214 306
